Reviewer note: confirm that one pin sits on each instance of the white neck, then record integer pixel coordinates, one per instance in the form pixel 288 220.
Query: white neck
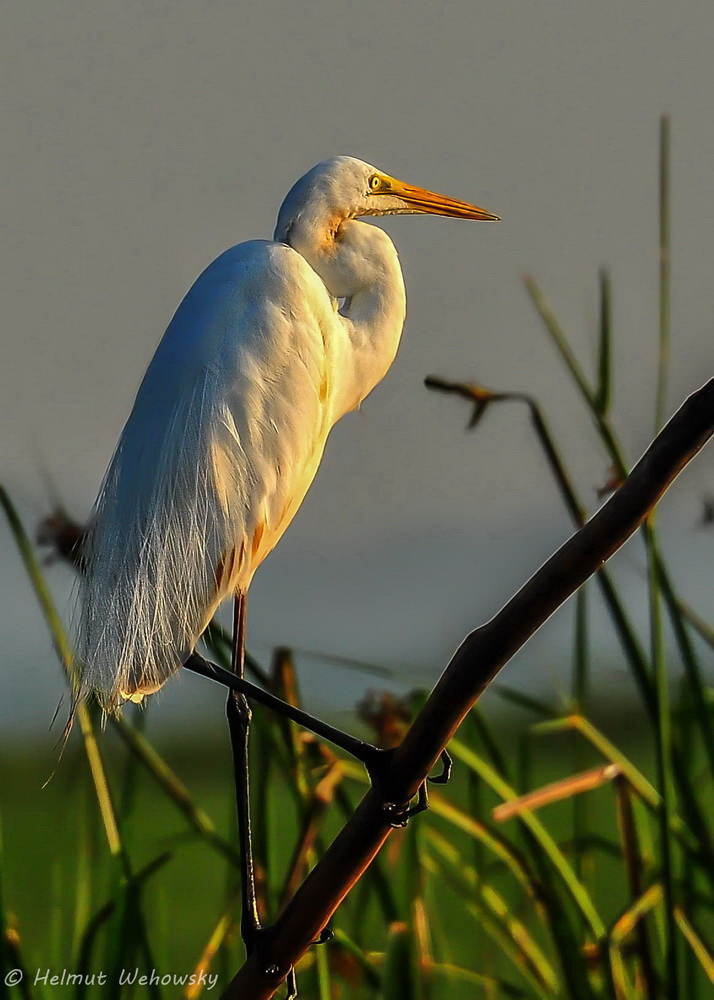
pixel 358 263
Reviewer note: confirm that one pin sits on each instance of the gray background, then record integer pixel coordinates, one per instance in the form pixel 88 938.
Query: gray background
pixel 139 140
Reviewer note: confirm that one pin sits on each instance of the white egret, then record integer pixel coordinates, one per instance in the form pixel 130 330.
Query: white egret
pixel 270 347
pixel 273 344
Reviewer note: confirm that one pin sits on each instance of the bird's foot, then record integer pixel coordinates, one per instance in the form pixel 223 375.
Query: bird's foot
pixel 271 969
pixel 398 813
pixel 260 941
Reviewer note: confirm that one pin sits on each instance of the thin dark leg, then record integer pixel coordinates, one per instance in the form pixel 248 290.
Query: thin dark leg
pixel 375 760
pixel 368 754
pixel 239 716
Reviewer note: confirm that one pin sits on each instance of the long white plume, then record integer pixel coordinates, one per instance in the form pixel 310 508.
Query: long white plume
pixel 158 531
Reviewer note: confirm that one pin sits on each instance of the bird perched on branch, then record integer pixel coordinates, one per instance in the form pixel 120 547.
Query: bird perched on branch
pixel 275 341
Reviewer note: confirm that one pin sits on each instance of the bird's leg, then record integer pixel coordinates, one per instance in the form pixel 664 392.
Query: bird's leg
pixel 375 759
pixel 239 717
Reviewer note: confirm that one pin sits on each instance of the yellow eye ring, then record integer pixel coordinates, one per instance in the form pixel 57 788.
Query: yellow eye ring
pixel 375 182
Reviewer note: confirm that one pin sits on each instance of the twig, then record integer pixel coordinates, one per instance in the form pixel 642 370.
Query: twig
pixel 476 662
pixel 556 791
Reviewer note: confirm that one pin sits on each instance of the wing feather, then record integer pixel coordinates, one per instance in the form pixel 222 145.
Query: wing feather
pixel 224 439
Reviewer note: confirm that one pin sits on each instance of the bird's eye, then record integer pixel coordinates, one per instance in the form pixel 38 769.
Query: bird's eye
pixel 375 182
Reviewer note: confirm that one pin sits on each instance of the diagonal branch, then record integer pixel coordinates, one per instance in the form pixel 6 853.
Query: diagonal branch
pixel 474 665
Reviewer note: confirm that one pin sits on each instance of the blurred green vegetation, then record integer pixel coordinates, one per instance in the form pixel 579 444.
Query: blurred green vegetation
pixel 600 884
pixel 58 873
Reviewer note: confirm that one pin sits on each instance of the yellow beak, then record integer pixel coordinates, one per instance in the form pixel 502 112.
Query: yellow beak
pixel 436 204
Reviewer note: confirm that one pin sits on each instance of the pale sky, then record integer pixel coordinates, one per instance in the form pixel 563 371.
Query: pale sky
pixel 140 140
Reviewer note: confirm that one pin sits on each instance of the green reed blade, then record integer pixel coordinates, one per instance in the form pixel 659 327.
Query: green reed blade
pixel 481 898
pixel 703 952
pixel 576 889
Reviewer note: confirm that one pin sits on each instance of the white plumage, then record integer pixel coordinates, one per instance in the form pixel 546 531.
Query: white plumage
pixel 231 419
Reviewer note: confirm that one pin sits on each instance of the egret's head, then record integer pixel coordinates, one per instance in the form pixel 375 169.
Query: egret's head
pixel 346 188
